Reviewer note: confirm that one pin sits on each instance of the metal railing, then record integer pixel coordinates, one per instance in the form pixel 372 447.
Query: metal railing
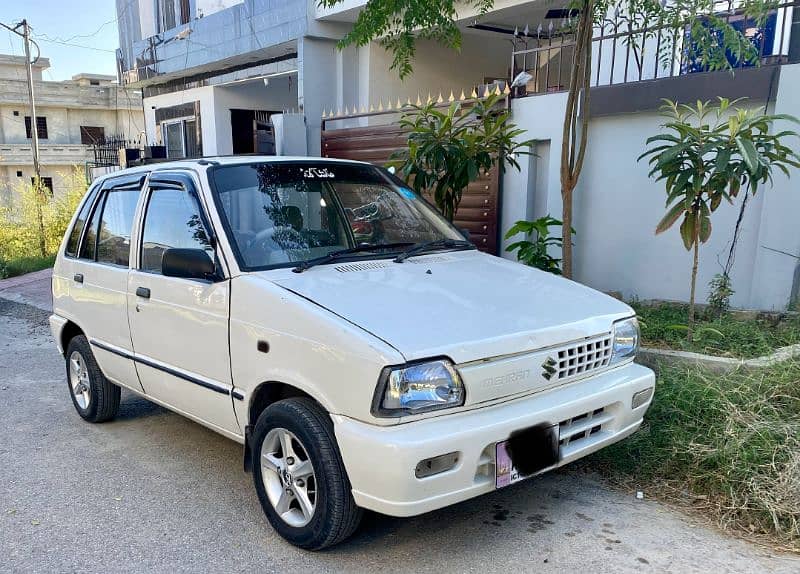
pixel 625 51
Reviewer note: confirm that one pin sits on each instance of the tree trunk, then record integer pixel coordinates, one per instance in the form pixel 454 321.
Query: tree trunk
pixel 695 261
pixel 573 148
pixel 566 229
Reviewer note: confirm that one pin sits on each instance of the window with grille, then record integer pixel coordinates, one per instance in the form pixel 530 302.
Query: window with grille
pixel 47 182
pixel 92 135
pixel 41 127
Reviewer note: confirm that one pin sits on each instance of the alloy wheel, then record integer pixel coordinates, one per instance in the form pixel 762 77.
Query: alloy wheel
pixel 79 380
pixel 288 477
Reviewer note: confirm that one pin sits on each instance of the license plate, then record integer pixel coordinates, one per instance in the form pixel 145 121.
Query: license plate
pixel 526 453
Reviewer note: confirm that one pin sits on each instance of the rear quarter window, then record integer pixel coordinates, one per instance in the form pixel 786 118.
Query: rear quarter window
pixel 80 222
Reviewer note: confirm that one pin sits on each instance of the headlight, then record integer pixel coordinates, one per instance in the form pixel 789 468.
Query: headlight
pixel 626 340
pixel 418 388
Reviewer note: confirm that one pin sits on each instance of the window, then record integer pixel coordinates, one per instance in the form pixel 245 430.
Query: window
pixel 89 245
pixel 173 139
pixel 75 235
pixel 114 239
pixel 172 221
pixel 277 214
pixel 171 13
pixel 47 182
pixel 94 82
pixel 41 127
pixel 180 138
pixel 92 135
pixel 19 173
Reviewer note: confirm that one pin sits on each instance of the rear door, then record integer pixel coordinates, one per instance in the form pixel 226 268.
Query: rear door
pixel 96 269
pixel 180 326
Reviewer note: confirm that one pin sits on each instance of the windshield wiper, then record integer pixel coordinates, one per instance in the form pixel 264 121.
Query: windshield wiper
pixel 334 255
pixel 419 248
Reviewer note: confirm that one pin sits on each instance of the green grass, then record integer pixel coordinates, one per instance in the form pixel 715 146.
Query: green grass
pixel 23 265
pixel 727 445
pixel 664 326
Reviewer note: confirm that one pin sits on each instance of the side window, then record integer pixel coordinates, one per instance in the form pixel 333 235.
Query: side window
pixel 114 238
pixel 80 222
pixel 89 245
pixel 172 220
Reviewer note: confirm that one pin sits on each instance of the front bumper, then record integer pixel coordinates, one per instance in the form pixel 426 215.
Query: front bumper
pixel 381 461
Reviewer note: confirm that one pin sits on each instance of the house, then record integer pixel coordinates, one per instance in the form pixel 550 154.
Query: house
pixel 72 116
pixel 229 76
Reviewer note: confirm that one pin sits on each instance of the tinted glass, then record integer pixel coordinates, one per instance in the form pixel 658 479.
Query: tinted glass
pixel 172 221
pixel 75 235
pixel 286 212
pixel 114 243
pixel 90 237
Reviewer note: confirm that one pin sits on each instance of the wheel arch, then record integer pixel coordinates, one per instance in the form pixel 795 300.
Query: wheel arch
pixel 69 331
pixel 261 397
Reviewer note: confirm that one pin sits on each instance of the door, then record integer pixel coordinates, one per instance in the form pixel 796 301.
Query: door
pixel 179 326
pixel 96 269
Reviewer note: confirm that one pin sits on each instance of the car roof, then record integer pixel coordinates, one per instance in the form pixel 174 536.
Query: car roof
pixel 219 160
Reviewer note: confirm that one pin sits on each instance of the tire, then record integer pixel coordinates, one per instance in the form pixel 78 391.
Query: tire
pixel 309 430
pixel 95 398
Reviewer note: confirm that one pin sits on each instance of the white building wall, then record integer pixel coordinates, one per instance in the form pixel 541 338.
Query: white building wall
pixel 438 69
pixel 216 102
pixel 617 208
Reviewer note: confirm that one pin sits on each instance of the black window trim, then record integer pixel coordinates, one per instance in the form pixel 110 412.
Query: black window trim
pixel 129 182
pixel 172 178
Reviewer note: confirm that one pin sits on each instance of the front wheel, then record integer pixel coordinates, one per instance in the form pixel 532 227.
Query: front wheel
pixel 299 475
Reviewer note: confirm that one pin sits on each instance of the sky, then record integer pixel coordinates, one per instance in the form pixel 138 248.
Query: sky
pixel 88 23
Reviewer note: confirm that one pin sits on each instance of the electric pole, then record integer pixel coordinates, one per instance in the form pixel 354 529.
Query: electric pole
pixel 37 182
pixel 34 124
pixel 26 37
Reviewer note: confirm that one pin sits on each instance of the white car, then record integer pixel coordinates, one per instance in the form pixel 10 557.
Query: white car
pixel 329 319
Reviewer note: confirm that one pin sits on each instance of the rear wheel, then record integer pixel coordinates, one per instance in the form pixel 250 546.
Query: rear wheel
pixel 95 398
pixel 299 475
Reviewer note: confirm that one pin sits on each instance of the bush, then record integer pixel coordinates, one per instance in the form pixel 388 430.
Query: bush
pixel 729 444
pixel 20 230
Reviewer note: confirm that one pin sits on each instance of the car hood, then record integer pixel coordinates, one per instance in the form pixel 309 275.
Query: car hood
pixel 463 305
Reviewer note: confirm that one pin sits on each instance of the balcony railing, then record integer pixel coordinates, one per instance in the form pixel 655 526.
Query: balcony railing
pixel 624 51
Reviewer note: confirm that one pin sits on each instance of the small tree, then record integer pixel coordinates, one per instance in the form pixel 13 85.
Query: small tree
pixel 532 250
pixel 710 153
pixel 447 149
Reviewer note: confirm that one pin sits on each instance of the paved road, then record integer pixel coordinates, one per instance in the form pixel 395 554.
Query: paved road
pixel 31 289
pixel 153 492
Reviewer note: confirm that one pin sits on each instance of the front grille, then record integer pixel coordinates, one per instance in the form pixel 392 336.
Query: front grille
pixel 582 427
pixel 583 357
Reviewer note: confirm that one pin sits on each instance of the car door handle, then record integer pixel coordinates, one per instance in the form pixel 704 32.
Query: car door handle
pixel 143 292
pixel 78 278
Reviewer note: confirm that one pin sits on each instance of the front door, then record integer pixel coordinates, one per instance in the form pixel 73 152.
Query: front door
pixel 179 327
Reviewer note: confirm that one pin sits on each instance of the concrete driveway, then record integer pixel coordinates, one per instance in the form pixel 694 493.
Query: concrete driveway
pixel 153 492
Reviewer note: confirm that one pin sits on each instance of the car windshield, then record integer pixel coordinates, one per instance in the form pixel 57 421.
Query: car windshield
pixel 281 213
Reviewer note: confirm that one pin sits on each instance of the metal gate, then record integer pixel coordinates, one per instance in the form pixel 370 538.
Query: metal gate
pixel 479 209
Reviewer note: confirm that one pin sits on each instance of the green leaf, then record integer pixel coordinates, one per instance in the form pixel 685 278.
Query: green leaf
pixel 688 230
pixel 749 153
pixel 670 218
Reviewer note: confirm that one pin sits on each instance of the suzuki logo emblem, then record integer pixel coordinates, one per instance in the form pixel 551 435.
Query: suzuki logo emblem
pixel 549 367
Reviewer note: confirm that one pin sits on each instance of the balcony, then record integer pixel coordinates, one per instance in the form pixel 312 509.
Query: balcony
pixel 66 155
pixel 623 52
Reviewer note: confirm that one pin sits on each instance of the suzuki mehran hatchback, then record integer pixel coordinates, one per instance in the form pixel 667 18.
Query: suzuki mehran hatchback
pixel 329 319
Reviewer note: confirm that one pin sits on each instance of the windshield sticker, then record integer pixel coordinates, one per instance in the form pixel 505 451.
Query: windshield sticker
pixel 318 172
pixel 407 193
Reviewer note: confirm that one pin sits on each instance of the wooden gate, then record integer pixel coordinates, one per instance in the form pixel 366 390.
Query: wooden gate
pixel 479 209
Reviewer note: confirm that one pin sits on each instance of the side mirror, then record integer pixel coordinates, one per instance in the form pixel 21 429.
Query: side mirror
pixel 187 263
pixel 465 232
